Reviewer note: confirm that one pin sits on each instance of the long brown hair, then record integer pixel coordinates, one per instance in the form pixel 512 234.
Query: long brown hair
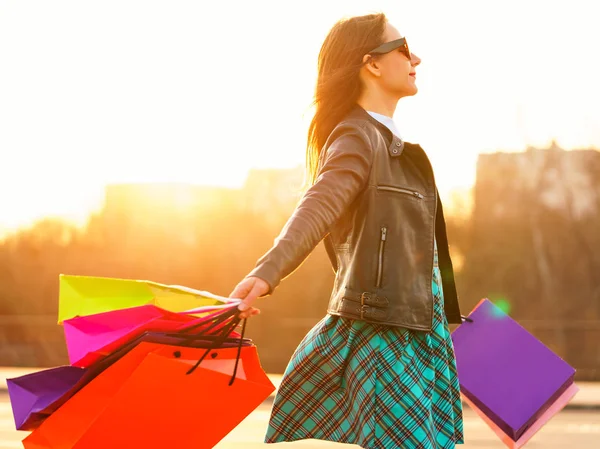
pixel 338 84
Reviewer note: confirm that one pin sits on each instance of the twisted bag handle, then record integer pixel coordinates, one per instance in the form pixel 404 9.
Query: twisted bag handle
pixel 212 320
pixel 202 309
pixel 193 291
pixel 221 339
pixel 216 310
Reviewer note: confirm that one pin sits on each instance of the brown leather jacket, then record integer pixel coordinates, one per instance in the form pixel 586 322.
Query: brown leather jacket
pixel 376 204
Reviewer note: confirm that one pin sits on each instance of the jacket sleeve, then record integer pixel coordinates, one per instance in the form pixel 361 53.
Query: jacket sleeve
pixel 343 173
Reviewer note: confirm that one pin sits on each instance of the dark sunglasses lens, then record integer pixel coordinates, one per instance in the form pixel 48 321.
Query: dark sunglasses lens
pixel 406 50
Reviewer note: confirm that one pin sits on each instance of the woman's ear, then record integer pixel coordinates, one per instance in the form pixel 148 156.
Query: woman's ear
pixel 370 63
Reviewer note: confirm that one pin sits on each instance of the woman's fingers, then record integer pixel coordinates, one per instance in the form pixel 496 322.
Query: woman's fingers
pixel 248 290
pixel 242 289
pixel 250 312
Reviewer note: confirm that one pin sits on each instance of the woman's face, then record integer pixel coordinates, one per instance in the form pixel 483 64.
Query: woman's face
pixel 396 73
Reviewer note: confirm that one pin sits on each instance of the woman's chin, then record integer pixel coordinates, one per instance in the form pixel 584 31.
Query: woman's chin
pixel 410 91
pixel 413 88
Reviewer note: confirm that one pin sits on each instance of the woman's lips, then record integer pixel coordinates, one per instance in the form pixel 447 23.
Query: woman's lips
pixel 414 75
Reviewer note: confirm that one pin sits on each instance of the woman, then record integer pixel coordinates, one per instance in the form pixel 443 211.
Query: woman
pixel 379 369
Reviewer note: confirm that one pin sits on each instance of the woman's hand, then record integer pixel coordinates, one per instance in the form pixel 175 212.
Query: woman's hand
pixel 248 290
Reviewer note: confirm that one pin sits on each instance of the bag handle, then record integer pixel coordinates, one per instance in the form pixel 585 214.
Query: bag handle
pixel 213 321
pixel 193 324
pixel 239 352
pixel 203 309
pixel 200 337
pixel 193 291
pixel 219 341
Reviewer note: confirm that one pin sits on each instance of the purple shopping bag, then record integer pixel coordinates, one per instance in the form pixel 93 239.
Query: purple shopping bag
pixel 36 396
pixel 32 394
pixel 511 376
pixel 91 337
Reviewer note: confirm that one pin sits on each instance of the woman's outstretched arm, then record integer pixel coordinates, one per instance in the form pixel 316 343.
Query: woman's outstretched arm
pixel 343 173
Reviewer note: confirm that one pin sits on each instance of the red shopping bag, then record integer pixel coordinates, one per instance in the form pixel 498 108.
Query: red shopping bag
pixel 150 399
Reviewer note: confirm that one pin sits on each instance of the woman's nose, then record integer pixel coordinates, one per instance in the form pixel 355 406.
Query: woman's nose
pixel 414 60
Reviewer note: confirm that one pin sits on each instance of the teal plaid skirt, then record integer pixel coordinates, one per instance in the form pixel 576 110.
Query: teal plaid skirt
pixel 375 386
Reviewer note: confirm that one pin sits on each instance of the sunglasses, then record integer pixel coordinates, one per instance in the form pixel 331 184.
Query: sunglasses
pixel 391 46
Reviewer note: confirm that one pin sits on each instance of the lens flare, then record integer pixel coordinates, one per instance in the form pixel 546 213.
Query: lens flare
pixel 503 306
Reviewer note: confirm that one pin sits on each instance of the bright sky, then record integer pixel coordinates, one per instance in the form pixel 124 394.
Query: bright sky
pixel 195 91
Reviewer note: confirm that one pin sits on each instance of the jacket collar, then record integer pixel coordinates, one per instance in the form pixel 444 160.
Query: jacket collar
pixel 396 146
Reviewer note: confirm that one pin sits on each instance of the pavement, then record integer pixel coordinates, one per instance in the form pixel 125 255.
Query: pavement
pixel 587 398
pixel 576 426
pixel 572 429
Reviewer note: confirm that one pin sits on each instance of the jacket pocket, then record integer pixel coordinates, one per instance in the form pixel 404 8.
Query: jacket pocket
pixel 382 239
pixel 401 190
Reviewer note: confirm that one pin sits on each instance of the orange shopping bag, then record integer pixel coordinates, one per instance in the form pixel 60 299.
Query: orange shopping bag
pixel 149 399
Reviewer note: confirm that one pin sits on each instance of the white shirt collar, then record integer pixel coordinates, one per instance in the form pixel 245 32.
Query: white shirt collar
pixel 387 121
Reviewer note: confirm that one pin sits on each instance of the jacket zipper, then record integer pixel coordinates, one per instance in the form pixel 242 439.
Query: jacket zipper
pixel 380 256
pixel 401 190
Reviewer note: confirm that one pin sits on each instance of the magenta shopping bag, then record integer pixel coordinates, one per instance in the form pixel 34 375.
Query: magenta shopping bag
pixel 91 337
pixel 507 373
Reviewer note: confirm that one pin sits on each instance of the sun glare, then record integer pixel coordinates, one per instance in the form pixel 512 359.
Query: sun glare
pixel 138 92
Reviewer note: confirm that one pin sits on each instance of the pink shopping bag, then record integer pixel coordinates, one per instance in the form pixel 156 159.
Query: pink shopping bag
pixel 91 337
pixel 540 422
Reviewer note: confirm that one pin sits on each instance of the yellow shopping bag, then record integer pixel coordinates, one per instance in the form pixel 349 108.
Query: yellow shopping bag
pixel 88 295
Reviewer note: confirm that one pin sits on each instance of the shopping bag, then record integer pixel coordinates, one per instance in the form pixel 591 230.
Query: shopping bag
pixel 31 395
pixel 37 395
pixel 507 373
pixel 92 337
pixel 148 399
pixel 556 407
pixel 86 295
